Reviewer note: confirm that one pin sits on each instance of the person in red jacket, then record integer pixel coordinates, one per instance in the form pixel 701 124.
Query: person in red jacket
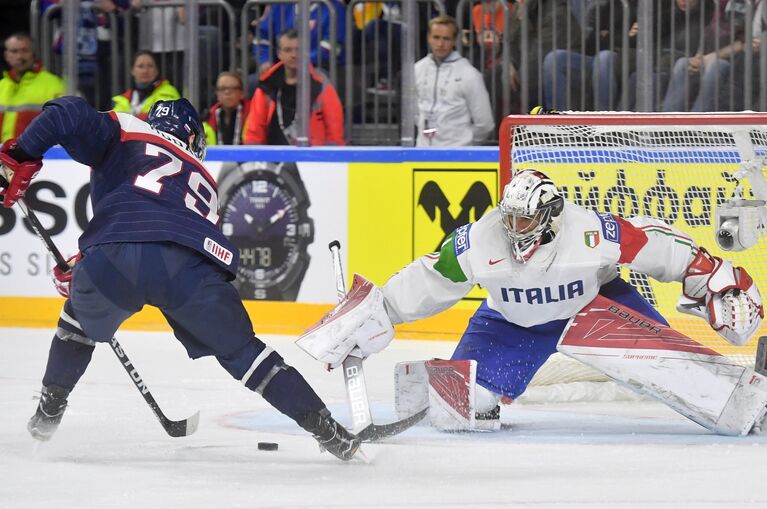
pixel 273 107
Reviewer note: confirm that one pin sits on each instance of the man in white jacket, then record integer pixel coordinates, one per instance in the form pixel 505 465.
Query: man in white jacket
pixel 453 103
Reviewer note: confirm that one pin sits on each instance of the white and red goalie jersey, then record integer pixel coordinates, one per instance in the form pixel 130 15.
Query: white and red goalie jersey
pixel 562 276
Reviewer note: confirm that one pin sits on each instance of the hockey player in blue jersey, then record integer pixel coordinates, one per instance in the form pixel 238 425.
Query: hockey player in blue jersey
pixel 153 240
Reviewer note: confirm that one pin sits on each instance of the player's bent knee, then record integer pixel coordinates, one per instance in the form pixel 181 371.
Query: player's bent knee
pixel 69 328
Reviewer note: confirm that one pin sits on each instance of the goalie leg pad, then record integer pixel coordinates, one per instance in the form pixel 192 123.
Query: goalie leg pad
pixel 451 394
pixel 411 388
pixel 449 388
pixel 654 359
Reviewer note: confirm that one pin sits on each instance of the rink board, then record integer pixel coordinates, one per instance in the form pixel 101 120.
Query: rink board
pixel 366 198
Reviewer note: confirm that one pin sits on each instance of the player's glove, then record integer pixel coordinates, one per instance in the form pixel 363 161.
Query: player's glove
pixel 63 280
pixel 18 175
pixel 725 296
pixel 357 326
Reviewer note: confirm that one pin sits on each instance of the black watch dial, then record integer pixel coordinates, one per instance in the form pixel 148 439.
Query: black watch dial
pixel 263 220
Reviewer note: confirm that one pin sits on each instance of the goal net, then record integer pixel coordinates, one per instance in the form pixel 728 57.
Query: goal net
pixel 675 167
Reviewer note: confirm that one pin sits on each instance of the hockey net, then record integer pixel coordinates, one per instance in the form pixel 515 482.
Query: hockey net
pixel 676 167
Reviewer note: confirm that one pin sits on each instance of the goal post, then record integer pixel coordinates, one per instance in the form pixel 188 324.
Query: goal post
pixel 678 167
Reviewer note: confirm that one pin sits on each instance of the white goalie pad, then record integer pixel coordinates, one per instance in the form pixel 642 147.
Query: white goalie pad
pixel 449 389
pixel 656 360
pixel 411 388
pixel 359 321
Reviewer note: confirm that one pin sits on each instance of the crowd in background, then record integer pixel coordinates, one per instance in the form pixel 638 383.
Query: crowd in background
pixel 476 62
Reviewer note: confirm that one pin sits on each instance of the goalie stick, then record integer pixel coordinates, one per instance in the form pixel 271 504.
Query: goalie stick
pixel 181 428
pixel 354 380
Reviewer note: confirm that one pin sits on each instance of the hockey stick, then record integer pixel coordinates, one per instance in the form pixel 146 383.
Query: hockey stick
pixel 354 380
pixel 173 428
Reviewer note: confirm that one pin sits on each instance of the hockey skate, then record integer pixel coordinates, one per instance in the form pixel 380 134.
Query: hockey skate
pixel 331 436
pixel 50 410
pixel 488 421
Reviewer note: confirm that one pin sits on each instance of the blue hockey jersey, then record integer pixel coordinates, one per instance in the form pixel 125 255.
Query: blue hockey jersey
pixel 146 186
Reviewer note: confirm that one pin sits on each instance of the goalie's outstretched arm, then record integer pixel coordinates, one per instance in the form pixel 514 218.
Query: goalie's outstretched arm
pixel 712 288
pixel 428 285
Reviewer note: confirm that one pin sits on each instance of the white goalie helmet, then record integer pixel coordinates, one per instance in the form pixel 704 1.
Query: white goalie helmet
pixel 530 208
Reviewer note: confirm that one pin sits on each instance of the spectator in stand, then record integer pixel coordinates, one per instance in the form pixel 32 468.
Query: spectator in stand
pixel 550 25
pixel 278 18
pixel 162 31
pixel 98 86
pixel 273 107
pixel 378 29
pixel 564 69
pixel 453 103
pixel 703 79
pixel 25 86
pixel 487 19
pixel 739 58
pixel 678 33
pixel 93 48
pixel 148 87
pixel 226 118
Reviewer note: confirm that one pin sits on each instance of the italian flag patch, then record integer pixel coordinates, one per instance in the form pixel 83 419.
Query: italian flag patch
pixel 591 238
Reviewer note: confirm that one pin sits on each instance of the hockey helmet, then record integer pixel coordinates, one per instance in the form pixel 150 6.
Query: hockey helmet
pixel 179 119
pixel 529 209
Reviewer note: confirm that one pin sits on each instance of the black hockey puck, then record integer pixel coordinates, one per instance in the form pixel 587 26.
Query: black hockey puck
pixel 267 446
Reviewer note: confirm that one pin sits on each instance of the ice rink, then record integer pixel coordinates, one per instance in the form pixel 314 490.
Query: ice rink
pixel 110 452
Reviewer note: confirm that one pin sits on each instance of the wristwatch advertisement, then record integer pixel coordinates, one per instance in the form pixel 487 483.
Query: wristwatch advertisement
pixel 264 213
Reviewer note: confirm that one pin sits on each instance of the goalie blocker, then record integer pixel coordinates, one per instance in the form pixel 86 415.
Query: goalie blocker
pixel 654 359
pixel 358 323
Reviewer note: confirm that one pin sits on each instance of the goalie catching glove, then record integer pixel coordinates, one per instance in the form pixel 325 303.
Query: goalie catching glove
pixel 359 323
pixel 724 295
pixel 17 174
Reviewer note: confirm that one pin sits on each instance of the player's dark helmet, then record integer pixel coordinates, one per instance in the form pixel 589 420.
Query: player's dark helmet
pixel 179 119
pixel 529 209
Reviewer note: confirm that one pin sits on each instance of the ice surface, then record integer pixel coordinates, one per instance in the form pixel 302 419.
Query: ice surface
pixel 110 452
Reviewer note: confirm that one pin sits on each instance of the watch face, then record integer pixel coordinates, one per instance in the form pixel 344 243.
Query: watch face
pixel 263 219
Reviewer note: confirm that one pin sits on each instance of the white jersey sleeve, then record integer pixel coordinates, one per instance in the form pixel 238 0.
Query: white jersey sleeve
pixel 430 284
pixel 652 247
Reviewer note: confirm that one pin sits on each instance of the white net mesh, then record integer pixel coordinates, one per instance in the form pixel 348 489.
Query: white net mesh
pixel 673 167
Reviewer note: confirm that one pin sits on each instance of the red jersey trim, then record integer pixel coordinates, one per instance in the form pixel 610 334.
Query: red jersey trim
pixel 153 138
pixel 632 240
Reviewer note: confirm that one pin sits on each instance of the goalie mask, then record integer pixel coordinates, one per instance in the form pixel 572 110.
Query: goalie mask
pixel 529 209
